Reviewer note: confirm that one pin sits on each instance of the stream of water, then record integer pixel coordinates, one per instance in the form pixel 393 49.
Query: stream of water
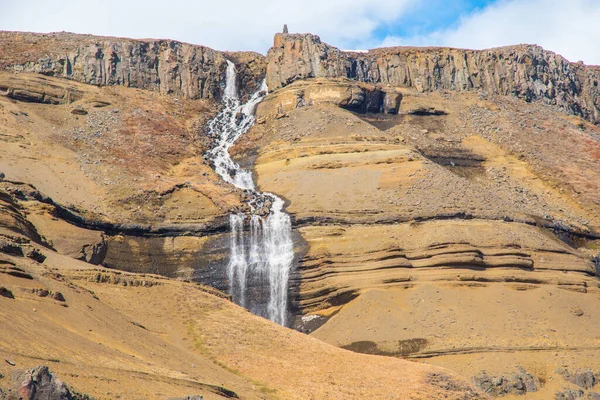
pixel 261 247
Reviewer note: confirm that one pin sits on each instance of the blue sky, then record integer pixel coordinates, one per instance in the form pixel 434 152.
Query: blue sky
pixel 423 18
pixel 568 27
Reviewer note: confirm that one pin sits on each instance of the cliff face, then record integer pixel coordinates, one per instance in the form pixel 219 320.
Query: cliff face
pixel 526 71
pixel 194 72
pixel 405 226
pixel 166 66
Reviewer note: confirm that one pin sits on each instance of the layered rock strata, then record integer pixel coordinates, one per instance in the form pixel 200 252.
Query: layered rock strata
pixel 526 71
pixel 359 97
pixel 460 227
pixel 113 334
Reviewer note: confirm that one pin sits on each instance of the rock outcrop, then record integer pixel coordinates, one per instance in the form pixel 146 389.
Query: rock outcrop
pixel 519 383
pixel 37 89
pixel 166 66
pixel 356 96
pixel 39 384
pixel 585 379
pixel 526 71
pixel 191 71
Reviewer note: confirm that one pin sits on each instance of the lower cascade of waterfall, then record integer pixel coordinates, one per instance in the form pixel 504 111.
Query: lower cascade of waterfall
pixel 261 247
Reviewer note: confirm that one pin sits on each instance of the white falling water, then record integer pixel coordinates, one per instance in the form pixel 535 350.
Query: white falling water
pixel 261 256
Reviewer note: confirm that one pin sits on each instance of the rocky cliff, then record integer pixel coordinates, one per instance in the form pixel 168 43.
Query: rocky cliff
pixel 467 224
pixel 172 67
pixel 166 66
pixel 526 71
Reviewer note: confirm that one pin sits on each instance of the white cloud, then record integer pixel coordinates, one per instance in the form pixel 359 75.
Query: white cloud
pixel 224 25
pixel 570 28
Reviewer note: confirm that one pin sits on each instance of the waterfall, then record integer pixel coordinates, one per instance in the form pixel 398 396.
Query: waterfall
pixel 261 256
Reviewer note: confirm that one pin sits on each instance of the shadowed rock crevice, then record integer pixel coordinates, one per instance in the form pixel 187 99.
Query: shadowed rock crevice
pixel 460 161
pixel 426 112
pixel 404 347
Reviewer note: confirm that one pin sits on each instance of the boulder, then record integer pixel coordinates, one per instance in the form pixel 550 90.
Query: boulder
pixel 36 255
pixel 39 384
pixel 569 395
pixel 8 247
pixel 583 378
pixel 4 292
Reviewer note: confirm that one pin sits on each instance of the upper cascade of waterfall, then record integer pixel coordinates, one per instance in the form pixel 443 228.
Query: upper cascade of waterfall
pixel 261 257
pixel 230 85
pixel 233 120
